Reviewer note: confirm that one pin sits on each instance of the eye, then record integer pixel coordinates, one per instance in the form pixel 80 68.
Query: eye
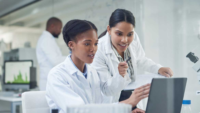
pixel 96 44
pixel 119 34
pixel 129 35
pixel 87 44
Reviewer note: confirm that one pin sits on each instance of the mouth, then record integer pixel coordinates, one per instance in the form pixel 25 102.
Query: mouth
pixel 91 56
pixel 123 45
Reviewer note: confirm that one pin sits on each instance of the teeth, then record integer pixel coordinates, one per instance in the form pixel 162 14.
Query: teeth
pixel 91 55
pixel 123 45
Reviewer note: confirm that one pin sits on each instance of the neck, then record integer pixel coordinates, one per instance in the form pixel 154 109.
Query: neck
pixel 79 64
pixel 120 53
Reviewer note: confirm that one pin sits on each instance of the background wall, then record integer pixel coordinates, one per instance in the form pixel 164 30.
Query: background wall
pixel 168 29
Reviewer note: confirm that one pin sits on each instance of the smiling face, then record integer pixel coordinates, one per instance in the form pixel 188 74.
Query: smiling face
pixel 122 34
pixel 85 46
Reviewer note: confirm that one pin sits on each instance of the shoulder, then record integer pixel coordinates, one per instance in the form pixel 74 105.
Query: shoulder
pixel 136 40
pixel 57 72
pixel 102 44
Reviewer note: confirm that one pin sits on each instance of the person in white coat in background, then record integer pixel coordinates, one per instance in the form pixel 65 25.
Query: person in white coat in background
pixel 74 82
pixel 47 51
pixel 117 44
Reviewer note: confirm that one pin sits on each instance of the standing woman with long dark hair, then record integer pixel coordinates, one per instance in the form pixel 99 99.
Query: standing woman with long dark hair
pixel 116 45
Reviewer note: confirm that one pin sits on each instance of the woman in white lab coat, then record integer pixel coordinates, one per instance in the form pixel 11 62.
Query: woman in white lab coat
pixel 118 43
pixel 74 82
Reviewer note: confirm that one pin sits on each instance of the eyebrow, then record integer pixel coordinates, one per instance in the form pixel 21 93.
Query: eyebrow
pixel 122 32
pixel 87 40
pixel 90 40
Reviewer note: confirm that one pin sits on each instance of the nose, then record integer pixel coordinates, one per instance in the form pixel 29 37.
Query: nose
pixel 124 39
pixel 92 48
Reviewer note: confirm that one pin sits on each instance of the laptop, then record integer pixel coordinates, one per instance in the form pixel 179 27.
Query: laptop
pixel 166 95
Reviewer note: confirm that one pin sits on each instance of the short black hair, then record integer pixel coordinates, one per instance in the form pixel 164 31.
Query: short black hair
pixel 52 20
pixel 75 27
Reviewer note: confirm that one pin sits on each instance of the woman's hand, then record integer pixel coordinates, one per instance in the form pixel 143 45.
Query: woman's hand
pixel 137 110
pixel 139 94
pixel 122 68
pixel 165 71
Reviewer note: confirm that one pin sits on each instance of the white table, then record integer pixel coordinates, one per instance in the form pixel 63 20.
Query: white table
pixel 15 101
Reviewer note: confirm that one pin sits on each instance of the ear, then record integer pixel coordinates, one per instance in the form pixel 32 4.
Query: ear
pixel 71 45
pixel 109 30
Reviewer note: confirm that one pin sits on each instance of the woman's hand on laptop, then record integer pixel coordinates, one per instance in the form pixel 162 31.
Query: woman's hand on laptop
pixel 137 110
pixel 137 95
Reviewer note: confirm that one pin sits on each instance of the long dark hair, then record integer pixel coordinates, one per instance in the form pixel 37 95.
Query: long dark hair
pixel 75 27
pixel 120 15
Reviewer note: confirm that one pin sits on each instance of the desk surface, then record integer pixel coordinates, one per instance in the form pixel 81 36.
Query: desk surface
pixel 10 99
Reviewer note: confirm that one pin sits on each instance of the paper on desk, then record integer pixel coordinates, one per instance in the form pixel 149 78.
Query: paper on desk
pixel 142 80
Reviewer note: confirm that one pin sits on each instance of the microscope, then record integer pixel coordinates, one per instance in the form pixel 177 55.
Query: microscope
pixel 196 62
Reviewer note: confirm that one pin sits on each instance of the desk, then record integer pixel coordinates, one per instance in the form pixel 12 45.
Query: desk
pixel 15 101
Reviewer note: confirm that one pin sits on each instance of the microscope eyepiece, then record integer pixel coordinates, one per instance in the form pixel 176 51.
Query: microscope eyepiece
pixel 192 57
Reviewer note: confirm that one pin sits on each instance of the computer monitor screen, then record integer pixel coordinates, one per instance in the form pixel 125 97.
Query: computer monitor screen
pixel 17 72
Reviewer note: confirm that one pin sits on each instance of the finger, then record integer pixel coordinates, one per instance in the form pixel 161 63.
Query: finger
pixel 122 69
pixel 122 63
pixel 144 86
pixel 124 66
pixel 165 74
pixel 144 96
pixel 144 92
pixel 170 72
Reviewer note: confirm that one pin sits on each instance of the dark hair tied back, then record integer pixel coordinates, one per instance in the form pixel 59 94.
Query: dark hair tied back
pixel 75 27
pixel 120 15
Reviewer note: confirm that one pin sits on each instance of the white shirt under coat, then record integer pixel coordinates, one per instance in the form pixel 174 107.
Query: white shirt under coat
pixel 48 55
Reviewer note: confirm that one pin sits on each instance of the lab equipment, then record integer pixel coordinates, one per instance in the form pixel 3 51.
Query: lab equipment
pixel 19 75
pixel 186 106
pixel 100 108
pixel 196 62
pixel 21 54
pixel 166 95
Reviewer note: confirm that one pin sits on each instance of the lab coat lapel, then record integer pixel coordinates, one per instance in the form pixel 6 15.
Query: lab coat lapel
pixel 79 79
pixel 90 80
pixel 85 85
pixel 132 50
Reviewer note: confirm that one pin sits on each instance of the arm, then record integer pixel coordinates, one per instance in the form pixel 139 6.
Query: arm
pixel 142 61
pixel 110 85
pixel 60 95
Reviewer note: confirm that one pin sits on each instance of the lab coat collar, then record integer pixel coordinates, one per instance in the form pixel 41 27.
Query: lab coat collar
pixel 108 48
pixel 48 34
pixel 108 44
pixel 69 65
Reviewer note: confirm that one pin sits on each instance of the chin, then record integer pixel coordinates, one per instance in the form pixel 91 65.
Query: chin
pixel 89 61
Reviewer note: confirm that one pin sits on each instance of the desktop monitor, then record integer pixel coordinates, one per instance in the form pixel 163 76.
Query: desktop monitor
pixel 17 75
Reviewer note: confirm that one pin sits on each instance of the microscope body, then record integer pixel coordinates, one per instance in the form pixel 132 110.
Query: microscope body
pixel 196 62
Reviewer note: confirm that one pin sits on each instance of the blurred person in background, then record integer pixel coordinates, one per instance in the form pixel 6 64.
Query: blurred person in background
pixel 47 50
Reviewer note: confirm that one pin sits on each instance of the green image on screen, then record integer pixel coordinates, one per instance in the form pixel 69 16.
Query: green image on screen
pixel 18 79
pixel 17 72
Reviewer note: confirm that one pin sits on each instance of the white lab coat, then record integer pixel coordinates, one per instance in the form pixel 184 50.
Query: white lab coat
pixel 48 56
pixel 67 86
pixel 106 62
